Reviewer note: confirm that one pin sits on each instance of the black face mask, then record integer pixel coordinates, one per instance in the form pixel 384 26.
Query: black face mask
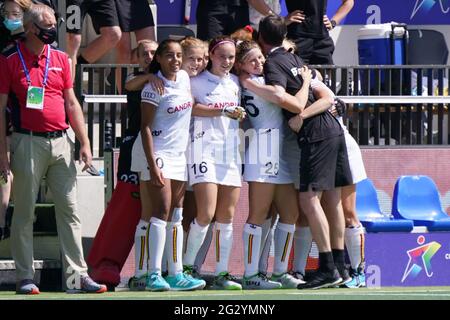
pixel 47 36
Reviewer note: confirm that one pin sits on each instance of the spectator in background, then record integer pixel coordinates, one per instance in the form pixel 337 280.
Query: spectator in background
pixel 40 146
pixel 311 27
pixel 134 16
pixel 223 17
pixel 105 21
pixel 256 16
pixel 11 29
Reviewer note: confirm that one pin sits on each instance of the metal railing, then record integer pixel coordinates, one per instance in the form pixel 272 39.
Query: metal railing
pixel 400 105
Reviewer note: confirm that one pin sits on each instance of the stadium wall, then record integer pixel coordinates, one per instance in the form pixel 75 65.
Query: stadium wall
pixel 387 258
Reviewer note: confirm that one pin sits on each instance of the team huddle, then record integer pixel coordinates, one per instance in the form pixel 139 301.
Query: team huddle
pixel 214 114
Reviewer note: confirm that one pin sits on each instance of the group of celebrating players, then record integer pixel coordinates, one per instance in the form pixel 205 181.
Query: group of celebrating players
pixel 212 113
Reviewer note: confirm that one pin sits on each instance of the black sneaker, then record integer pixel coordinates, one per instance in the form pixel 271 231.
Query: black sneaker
pixel 343 272
pixel 322 279
pixel 4 233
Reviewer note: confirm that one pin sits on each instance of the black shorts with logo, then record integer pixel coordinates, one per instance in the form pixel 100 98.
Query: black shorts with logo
pixel 211 24
pixel 102 12
pixel 324 165
pixel 315 51
pixel 134 15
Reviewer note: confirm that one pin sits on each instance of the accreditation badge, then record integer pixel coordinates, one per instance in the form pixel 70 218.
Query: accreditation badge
pixel 35 98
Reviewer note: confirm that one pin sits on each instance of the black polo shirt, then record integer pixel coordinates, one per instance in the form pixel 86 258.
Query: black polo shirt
pixel 134 108
pixel 313 26
pixel 281 69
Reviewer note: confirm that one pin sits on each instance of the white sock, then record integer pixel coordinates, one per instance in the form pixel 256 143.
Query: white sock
pixel 164 261
pixel 174 247
pixel 266 228
pixel 265 249
pixel 302 247
pixel 284 233
pixel 354 242
pixel 196 236
pixel 140 249
pixel 156 243
pixel 203 251
pixel 174 243
pixel 223 245
pixel 252 244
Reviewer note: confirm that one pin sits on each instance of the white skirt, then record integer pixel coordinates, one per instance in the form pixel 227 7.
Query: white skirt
pixel 266 166
pixel 173 166
pixel 227 174
pixel 354 159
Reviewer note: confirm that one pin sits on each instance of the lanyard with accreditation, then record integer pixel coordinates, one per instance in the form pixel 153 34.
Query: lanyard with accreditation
pixel 35 95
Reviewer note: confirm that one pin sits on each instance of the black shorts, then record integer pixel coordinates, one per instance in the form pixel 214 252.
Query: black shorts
pixel 210 25
pixel 315 51
pixel 124 172
pixel 102 12
pixel 134 15
pixel 324 165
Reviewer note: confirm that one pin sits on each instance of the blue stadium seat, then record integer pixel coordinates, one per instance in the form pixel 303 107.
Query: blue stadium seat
pixel 417 198
pixel 369 212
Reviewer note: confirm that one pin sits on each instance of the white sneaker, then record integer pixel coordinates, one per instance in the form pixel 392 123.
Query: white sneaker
pixel 225 281
pixel 287 281
pixel 137 283
pixel 259 282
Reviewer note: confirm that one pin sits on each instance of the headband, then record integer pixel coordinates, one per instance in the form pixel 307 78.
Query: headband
pixel 247 53
pixel 221 42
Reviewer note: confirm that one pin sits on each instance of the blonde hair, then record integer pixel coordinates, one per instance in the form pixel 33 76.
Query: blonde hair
pixel 143 43
pixel 190 43
pixel 24 4
pixel 289 45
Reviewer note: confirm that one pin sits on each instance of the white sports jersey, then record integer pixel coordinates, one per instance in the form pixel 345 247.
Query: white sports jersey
pixel 173 113
pixel 264 158
pixel 215 138
pixel 261 113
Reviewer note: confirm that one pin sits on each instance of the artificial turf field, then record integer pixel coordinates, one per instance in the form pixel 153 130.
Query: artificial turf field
pixel 387 293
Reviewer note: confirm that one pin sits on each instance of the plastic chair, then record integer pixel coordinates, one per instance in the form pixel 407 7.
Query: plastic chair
pixel 173 32
pixel 417 198
pixel 369 212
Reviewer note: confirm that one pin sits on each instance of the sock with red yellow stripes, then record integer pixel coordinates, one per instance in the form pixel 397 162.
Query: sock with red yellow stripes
pixel 223 242
pixel 140 249
pixel 174 243
pixel 252 243
pixel 354 242
pixel 284 233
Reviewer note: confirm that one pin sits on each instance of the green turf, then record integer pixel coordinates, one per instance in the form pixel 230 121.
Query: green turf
pixel 411 293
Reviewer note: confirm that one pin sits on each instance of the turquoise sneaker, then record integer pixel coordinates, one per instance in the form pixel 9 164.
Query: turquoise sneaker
pixel 155 282
pixel 358 279
pixel 184 282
